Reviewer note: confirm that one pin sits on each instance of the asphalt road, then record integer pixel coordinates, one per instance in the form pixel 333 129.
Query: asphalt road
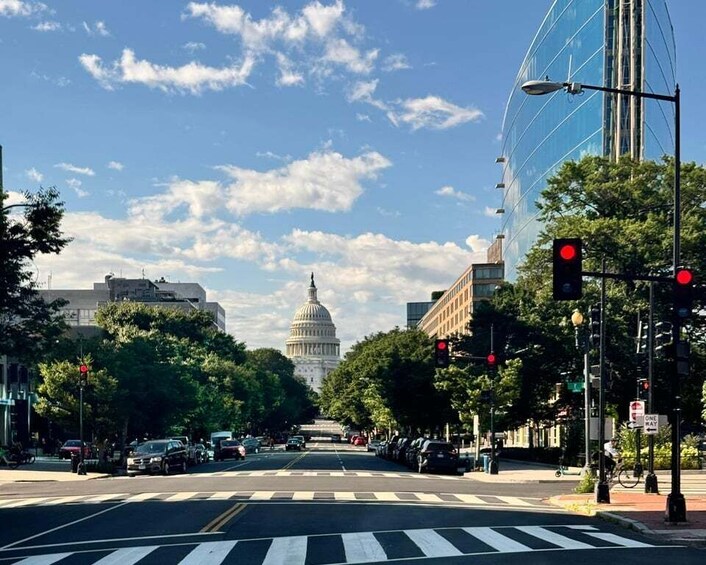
pixel 328 504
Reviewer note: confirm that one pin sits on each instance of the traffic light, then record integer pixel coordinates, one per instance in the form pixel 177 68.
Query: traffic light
pixel 663 336
pixel 643 389
pixel 594 336
pixel 682 354
pixel 683 285
pixel 566 269
pixel 441 353
pixel 83 374
pixel 641 339
pixel 492 361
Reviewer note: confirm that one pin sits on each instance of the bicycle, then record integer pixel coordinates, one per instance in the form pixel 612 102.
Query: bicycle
pixel 628 478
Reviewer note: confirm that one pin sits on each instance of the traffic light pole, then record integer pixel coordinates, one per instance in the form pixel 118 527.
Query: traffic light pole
pixel 493 465
pixel 651 484
pixel 602 487
pixel 81 466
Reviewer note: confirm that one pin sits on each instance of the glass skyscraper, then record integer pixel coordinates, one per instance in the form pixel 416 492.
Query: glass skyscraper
pixel 627 44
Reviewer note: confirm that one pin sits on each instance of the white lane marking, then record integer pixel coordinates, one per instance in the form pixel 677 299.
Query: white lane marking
pixel 362 548
pixel 496 540
pixel 262 495
pixel 387 496
pixel 127 555
pixel 553 537
pixel 514 500
pixel 289 550
pixel 43 559
pixel 25 502
pixel 40 534
pixel 180 496
pixel 142 496
pixel 470 499
pixel 432 544
pixel 581 527
pixel 303 496
pixel 222 495
pixel 212 552
pixel 344 496
pixel 63 500
pixel 427 497
pixel 103 498
pixel 617 540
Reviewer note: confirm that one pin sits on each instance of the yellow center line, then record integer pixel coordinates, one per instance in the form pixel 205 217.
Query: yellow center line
pixel 219 521
pixel 293 461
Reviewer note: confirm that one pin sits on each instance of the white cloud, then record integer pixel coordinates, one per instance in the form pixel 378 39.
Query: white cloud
pixel 275 156
pixel 34 175
pixel 395 62
pixel 326 180
pixel 192 77
pixel 193 46
pixel 451 192
pixel 10 8
pixel 490 212
pixel 99 28
pixel 477 243
pixel 76 185
pixel 74 169
pixel 288 76
pixel 432 112
pixel 47 26
pixel 425 4
pixel 363 118
pixel 116 165
pixel 341 52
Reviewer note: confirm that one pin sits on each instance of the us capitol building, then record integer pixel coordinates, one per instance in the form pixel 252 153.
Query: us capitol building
pixel 312 344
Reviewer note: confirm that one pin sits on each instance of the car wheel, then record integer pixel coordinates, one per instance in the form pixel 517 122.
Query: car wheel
pixel 183 467
pixel 165 468
pixel 419 465
pixel 131 474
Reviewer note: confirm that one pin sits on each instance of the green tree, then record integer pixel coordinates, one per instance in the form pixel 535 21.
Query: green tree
pixel 28 325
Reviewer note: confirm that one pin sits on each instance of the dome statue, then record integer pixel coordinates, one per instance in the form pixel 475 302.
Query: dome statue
pixel 312 344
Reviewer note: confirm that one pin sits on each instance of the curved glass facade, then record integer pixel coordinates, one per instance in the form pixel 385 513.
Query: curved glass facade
pixel 579 41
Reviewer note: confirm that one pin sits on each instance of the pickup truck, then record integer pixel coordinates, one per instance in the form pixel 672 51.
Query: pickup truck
pixel 189 447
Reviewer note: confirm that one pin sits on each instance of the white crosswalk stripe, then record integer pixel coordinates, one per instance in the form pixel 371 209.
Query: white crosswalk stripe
pixel 296 496
pixel 361 547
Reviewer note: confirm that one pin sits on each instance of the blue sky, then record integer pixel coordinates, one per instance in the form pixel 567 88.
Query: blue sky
pixel 244 145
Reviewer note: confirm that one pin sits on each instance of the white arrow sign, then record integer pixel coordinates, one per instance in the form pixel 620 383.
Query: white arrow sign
pixel 651 424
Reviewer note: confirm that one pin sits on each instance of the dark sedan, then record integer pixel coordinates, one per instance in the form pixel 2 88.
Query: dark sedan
pixel 293 445
pixel 157 456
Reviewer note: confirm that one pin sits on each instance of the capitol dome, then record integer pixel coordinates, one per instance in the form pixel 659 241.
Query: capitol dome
pixel 312 344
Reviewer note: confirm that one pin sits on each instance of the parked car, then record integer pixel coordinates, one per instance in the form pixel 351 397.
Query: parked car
pixel 373 444
pixel 188 446
pixel 390 446
pixel 335 438
pixel 301 440
pixel 157 456
pixel 436 455
pixel 293 444
pixel 202 455
pixel 381 448
pixel 228 449
pixel 399 449
pixel 73 446
pixel 251 445
pixel 412 451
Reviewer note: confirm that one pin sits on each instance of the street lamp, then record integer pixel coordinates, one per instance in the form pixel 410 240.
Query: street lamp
pixel 582 343
pixel 676 504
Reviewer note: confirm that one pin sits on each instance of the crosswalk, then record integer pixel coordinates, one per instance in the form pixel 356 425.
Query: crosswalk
pixel 352 474
pixel 353 547
pixel 284 496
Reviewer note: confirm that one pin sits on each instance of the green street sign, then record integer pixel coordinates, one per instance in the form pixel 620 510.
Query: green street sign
pixel 576 386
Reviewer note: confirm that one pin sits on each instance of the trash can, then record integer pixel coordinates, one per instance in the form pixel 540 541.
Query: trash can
pixel 469 463
pixel 74 462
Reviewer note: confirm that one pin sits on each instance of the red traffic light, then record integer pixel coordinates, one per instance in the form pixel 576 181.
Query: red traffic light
pixel 492 359
pixel 684 277
pixel 441 345
pixel 568 252
pixel 83 369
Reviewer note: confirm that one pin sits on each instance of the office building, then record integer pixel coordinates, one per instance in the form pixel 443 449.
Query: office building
pixel 626 44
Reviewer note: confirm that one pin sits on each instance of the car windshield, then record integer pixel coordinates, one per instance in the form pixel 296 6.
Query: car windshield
pixel 151 447
pixel 440 447
pixel 230 443
pixel 73 443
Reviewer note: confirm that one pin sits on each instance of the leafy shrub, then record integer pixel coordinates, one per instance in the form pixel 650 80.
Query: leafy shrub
pixel 586 484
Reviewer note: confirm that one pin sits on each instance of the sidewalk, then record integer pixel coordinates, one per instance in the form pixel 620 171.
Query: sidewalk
pixel 633 509
pixel 45 469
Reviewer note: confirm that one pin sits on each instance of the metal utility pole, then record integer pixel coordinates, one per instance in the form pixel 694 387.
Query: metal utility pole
pixel 602 487
pixel 651 485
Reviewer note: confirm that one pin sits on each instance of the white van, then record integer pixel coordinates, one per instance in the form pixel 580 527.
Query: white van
pixel 215 436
